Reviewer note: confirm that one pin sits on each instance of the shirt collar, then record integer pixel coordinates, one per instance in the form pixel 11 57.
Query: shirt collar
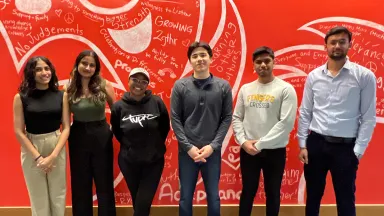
pixel 346 66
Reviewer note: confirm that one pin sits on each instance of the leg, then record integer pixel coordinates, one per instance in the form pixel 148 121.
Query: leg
pixel 132 174
pixel 210 171
pixel 37 186
pixel 273 170
pixel 344 166
pixel 57 180
pixel 188 173
pixel 102 167
pixel 81 175
pixel 148 187
pixel 315 173
pixel 250 167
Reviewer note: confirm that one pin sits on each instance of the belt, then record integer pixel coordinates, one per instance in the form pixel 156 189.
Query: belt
pixel 333 139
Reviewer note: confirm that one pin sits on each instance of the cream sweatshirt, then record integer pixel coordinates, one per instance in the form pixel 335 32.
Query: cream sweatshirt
pixel 265 112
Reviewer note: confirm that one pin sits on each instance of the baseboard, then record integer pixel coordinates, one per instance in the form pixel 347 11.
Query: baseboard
pixel 226 210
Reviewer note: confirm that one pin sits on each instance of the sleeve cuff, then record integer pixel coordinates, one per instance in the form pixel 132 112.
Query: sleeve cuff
pixel 358 149
pixel 241 141
pixel 303 143
pixel 214 146
pixel 187 147
pixel 258 145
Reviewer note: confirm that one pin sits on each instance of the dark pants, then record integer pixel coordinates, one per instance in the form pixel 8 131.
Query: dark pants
pixel 142 180
pixel 188 173
pixel 91 157
pixel 340 159
pixel 272 162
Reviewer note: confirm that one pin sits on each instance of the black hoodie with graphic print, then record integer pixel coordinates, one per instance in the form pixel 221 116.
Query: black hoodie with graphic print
pixel 141 127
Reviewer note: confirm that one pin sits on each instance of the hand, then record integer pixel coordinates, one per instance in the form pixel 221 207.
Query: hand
pixel 46 164
pixel 204 152
pixel 303 155
pixel 249 147
pixel 194 152
pixel 358 156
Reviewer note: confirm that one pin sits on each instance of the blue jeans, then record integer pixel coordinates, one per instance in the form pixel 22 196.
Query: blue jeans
pixel 188 173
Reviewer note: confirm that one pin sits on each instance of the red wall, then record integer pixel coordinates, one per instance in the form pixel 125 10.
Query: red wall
pixel 155 35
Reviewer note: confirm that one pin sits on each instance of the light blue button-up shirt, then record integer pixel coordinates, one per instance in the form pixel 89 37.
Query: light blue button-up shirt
pixel 340 106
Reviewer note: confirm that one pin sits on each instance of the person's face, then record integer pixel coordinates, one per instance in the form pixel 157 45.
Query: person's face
pixel 138 84
pixel 337 46
pixel 43 73
pixel 87 67
pixel 200 60
pixel 263 65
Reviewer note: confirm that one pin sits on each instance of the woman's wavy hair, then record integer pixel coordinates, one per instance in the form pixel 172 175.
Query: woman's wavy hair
pixel 28 84
pixel 75 89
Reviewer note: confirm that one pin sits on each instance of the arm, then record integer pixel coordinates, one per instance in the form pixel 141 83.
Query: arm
pixel 115 123
pixel 176 115
pixel 237 119
pixel 368 114
pixel 226 117
pixel 19 127
pixel 65 127
pixel 305 113
pixel 164 120
pixel 285 125
pixel 111 98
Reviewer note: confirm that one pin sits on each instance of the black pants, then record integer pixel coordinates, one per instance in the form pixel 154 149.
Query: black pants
pixel 340 159
pixel 272 162
pixel 142 180
pixel 91 157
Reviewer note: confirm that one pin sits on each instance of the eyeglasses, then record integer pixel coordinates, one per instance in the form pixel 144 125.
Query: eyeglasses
pixel 138 81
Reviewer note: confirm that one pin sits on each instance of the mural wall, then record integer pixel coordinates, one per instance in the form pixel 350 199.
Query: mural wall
pixel 155 34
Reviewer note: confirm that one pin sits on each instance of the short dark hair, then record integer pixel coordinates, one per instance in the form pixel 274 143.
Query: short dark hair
pixel 197 44
pixel 337 30
pixel 263 50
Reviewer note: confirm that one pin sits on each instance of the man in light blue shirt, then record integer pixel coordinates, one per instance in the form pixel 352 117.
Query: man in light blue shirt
pixel 336 122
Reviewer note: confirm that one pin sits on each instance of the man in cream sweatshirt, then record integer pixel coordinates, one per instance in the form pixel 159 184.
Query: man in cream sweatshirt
pixel 263 118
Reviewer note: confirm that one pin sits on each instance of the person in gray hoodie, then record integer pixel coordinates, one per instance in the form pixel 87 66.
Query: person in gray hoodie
pixel 201 113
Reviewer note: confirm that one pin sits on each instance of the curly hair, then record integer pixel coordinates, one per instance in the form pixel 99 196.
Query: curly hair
pixel 75 89
pixel 28 84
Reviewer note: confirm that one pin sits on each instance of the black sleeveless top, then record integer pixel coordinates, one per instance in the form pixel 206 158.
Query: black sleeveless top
pixel 42 111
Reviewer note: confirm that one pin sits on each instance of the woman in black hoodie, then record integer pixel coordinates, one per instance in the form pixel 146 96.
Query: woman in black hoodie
pixel 140 122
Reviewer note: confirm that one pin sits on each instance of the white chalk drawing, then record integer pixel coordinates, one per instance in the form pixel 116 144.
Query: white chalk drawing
pixel 69 18
pixel 169 71
pixel 4 3
pixel 33 6
pixel 58 12
pixel 371 66
pixel 18 64
pixel 215 38
pixel 367 23
pixel 109 11
pixel 165 1
pixel 136 39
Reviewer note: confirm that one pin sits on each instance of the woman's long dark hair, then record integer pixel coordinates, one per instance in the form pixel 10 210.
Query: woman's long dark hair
pixel 75 89
pixel 28 85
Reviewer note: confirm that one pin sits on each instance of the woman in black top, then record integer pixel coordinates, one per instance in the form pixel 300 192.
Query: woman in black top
pixel 39 109
pixel 140 122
